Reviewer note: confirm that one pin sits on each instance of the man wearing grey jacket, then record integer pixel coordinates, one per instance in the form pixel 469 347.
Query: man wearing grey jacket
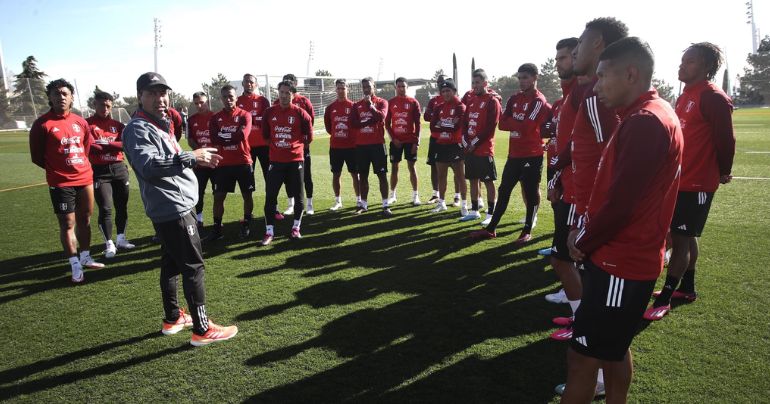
pixel 169 192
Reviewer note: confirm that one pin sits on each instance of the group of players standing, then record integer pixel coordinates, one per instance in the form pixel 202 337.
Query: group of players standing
pixel 624 168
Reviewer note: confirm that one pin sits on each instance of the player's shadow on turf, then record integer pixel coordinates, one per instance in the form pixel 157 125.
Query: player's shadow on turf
pixel 453 307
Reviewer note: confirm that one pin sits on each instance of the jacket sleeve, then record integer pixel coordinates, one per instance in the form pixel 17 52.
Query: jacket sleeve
pixel 428 115
pixel 718 112
pixel 37 144
pixel 266 124
pixel 355 119
pixel 306 126
pixel 379 110
pixel 328 120
pixel 507 122
pixel 493 115
pixel 214 131
pixel 388 119
pixel 147 158
pixel 416 120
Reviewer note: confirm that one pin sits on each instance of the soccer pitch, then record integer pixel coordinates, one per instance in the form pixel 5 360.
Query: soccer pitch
pixel 366 309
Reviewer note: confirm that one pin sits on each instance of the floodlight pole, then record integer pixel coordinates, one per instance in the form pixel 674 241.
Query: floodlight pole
pixel 157 42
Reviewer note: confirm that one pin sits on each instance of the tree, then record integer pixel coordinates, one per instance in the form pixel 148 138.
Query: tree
pixel 755 84
pixel 5 109
pixel 548 81
pixel 506 86
pixel 132 103
pixel 323 73
pixel 665 90
pixel 30 78
pixel 179 101
pixel 213 88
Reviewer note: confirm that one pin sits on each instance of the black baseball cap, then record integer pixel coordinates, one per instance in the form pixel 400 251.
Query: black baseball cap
pixel 448 83
pixel 150 79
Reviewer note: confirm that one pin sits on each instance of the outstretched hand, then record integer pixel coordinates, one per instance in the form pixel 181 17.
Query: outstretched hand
pixel 207 157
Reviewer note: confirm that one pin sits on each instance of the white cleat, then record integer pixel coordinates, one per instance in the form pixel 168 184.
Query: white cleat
pixel 123 244
pixel 77 274
pixel 309 209
pixel 392 201
pixel 416 201
pixel 558 297
pixel 473 215
pixel 337 206
pixel 463 211
pixel 289 211
pixel 440 207
pixel 110 250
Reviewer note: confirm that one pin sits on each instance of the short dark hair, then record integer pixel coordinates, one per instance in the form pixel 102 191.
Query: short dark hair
pixel 569 43
pixel 610 28
pixel 368 80
pixel 200 94
pixel 480 73
pixel 57 84
pixel 104 96
pixel 247 75
pixel 290 77
pixel 226 88
pixel 712 57
pixel 402 80
pixel 288 83
pixel 528 68
pixel 341 81
pixel 634 51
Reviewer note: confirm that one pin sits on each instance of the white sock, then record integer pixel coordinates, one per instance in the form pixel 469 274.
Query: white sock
pixel 463 203
pixel 358 198
pixel 364 204
pixel 384 203
pixel 84 254
pixel 121 236
pixel 574 304
pixel 74 261
pixel 435 192
pixel 296 224
pixel 338 199
pixel 200 217
pixel 457 195
pixel 393 194
pixel 291 203
pixel 269 229
pixel 415 194
pixel 600 376
pixel 309 202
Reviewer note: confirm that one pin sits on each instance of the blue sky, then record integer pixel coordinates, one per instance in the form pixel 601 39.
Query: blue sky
pixel 109 43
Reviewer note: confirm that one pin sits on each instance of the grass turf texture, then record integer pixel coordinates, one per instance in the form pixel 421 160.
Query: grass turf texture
pixel 366 309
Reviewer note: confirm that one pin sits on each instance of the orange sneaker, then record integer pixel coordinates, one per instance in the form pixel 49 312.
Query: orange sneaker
pixel 184 321
pixel 215 333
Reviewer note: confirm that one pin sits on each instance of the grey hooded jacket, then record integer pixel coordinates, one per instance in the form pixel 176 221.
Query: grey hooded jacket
pixel 166 180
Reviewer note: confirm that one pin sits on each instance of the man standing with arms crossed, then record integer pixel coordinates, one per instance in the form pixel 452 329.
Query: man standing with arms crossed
pixel 59 143
pixel 367 120
pixel 110 173
pixel 229 130
pixel 623 240
pixel 169 193
pixel 342 143
pixel 434 105
pixel 403 125
pixel 705 113
pixel 447 123
pixel 480 122
pixel 198 137
pixel 288 129
pixel 525 113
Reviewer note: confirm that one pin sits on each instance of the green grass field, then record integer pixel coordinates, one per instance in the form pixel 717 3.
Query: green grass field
pixel 364 309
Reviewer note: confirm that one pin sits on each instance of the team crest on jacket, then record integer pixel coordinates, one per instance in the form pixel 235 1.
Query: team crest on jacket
pixel 76 128
pixel 689 106
pixel 291 120
pixel 406 105
pixel 482 104
pixel 347 111
pixel 113 129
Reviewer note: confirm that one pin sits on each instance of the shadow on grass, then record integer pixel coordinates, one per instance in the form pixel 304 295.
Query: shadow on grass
pixel 454 300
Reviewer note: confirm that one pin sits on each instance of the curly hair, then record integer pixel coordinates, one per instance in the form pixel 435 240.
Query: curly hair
pixel 610 28
pixel 712 57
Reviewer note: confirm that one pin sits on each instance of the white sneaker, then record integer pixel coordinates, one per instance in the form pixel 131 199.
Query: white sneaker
pixel 309 209
pixel 473 215
pixel 456 203
pixel 88 262
pixel 289 211
pixel 110 250
pixel 486 220
pixel 463 211
pixel 392 201
pixel 440 207
pixel 481 204
pixel 336 206
pixel 522 220
pixel 77 274
pixel 124 244
pixel 416 201
pixel 558 297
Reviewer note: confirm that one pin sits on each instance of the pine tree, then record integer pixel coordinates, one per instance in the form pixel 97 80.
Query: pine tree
pixel 31 78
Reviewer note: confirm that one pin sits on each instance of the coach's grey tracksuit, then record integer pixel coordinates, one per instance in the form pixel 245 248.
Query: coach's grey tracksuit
pixel 169 192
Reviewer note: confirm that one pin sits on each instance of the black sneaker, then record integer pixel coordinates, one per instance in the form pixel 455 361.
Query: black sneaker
pixel 387 212
pixel 216 234
pixel 245 229
pixel 361 210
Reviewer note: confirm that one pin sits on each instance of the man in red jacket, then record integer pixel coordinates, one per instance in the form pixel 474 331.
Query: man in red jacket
pixel 447 123
pixel 110 173
pixel 705 113
pixel 304 103
pixel 342 142
pixel 403 125
pixel 525 113
pixel 229 130
pixel 288 129
pixel 367 119
pixel 434 105
pixel 623 240
pixel 198 136
pixel 59 142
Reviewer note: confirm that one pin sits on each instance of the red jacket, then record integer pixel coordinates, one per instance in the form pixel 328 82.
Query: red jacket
pixel 337 123
pixel 633 200
pixel 287 130
pixel 302 102
pixel 594 125
pixel 368 121
pixel 177 126
pixel 107 147
pixel 705 113
pixel 403 119
pixel 198 129
pixel 60 144
pixel 433 105
pixel 447 122
pixel 549 129
pixel 229 131
pixel 256 105
pixel 480 122
pixel 524 115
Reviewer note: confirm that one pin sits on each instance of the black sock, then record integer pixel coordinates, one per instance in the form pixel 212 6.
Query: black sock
pixel 490 207
pixel 688 282
pixel 217 224
pixel 668 289
pixel 475 204
pixel 247 218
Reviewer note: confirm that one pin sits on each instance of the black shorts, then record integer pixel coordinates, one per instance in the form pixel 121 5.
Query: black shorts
pixel 371 154
pixel 340 157
pixel 223 179
pixel 691 212
pixel 64 198
pixel 448 153
pixel 562 218
pixel 404 150
pixel 431 151
pixel 609 314
pixel 480 168
pixel 526 170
